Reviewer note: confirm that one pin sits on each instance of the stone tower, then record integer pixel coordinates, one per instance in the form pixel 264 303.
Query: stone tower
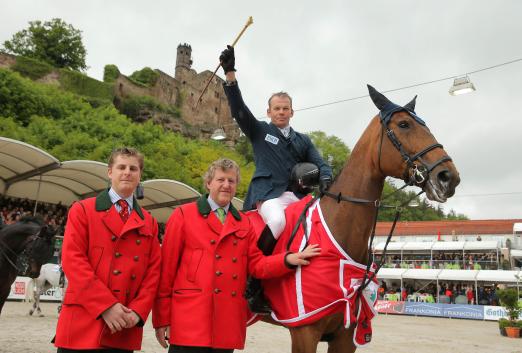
pixel 183 60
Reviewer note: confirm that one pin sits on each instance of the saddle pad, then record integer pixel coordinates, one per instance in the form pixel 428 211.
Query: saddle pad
pixel 328 285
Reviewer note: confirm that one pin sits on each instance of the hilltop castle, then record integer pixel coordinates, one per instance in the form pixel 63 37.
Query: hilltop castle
pixel 182 91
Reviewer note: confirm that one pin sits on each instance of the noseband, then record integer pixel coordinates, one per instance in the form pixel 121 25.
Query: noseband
pixel 415 173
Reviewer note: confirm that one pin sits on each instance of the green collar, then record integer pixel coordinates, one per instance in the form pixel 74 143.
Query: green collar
pixel 103 203
pixel 204 208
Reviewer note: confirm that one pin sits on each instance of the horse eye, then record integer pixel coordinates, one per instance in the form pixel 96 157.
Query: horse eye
pixel 404 124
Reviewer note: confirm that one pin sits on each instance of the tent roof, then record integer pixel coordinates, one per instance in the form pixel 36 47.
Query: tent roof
pixel 394 245
pixel 390 273
pixel 162 196
pixel 19 161
pixel 73 180
pixel 497 276
pixel 516 253
pixel 481 245
pixel 417 245
pixel 450 275
pixel 414 273
pixel 448 245
pixel 458 275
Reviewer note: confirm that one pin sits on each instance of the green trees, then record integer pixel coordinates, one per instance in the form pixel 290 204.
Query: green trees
pixel 332 148
pixel 67 127
pixel 54 42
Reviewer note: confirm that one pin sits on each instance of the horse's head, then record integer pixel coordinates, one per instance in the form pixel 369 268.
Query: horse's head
pixel 31 243
pixel 40 250
pixel 410 152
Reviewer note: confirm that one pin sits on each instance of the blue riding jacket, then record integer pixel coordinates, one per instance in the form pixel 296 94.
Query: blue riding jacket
pixel 274 154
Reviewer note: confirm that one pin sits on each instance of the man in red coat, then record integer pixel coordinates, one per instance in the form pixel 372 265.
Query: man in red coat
pixel 111 257
pixel 208 250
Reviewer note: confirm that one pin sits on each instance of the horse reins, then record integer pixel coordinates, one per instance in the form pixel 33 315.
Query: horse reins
pixel 415 174
pixel 4 249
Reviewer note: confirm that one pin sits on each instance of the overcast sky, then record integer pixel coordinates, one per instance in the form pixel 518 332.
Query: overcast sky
pixel 327 51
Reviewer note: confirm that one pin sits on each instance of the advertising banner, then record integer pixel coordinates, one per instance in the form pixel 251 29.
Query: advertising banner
pixel 423 309
pixel 463 311
pixel 383 306
pixel 20 286
pixel 458 311
pixel 496 312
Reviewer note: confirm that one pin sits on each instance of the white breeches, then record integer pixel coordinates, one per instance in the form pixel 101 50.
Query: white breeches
pixel 273 212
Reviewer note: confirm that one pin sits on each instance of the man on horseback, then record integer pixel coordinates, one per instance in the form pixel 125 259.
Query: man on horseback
pixel 111 257
pixel 277 150
pixel 208 250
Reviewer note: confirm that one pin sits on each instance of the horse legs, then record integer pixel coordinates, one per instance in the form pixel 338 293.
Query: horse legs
pixel 343 341
pixel 305 339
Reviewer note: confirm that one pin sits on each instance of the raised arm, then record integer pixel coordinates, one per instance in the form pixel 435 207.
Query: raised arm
pixel 240 112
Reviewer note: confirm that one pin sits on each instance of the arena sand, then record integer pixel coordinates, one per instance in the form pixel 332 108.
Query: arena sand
pixel 20 333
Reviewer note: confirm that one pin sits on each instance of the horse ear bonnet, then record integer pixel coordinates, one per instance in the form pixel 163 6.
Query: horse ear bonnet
pixel 388 108
pixel 304 177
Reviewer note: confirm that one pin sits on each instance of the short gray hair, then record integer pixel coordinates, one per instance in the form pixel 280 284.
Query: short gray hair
pixel 280 95
pixel 223 164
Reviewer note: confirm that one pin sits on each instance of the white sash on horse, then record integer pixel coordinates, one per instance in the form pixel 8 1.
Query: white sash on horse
pixel 328 285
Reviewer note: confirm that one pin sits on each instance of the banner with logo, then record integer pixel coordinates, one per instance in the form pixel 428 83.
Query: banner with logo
pixel 383 306
pixel 20 286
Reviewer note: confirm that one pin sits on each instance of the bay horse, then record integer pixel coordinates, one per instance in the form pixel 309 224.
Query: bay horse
pixel 34 240
pixel 50 276
pixel 396 143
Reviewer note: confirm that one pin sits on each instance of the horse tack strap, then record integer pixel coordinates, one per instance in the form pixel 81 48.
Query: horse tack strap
pixel 5 247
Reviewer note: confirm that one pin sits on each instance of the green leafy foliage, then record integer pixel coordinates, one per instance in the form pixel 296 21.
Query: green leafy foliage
pixel 110 73
pixel 31 68
pixel 509 300
pixel 132 106
pixel 83 85
pixel 332 148
pixel 67 127
pixel 55 42
pixel 146 77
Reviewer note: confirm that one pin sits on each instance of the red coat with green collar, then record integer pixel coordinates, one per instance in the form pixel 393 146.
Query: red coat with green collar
pixel 105 262
pixel 205 265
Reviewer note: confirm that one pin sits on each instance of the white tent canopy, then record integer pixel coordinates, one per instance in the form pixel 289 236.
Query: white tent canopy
pixel 498 276
pixel 390 273
pixel 162 196
pixel 448 245
pixel 414 273
pixel 450 275
pixel 20 161
pixel 438 245
pixel 29 172
pixel 458 275
pixel 481 245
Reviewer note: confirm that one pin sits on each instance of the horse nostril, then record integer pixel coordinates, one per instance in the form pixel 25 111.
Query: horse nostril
pixel 444 176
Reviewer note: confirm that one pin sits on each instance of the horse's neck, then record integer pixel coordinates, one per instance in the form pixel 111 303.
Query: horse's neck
pixel 351 223
pixel 15 242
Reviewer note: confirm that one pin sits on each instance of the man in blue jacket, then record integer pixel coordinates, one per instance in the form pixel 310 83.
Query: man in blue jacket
pixel 277 149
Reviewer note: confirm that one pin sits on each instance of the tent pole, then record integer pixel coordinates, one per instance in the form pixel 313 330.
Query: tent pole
pixel 476 292
pixel 37 196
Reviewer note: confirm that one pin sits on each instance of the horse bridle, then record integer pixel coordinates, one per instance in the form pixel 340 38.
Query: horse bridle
pixel 6 251
pixel 415 174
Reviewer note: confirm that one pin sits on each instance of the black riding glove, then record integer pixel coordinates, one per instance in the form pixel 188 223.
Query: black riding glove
pixel 228 59
pixel 324 184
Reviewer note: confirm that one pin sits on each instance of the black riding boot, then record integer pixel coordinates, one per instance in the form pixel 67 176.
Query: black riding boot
pixel 254 291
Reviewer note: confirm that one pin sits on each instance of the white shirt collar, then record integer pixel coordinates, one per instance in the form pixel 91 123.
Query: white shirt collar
pixel 285 131
pixel 214 206
pixel 115 197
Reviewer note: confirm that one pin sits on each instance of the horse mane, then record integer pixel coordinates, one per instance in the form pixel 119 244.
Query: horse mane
pixel 32 219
